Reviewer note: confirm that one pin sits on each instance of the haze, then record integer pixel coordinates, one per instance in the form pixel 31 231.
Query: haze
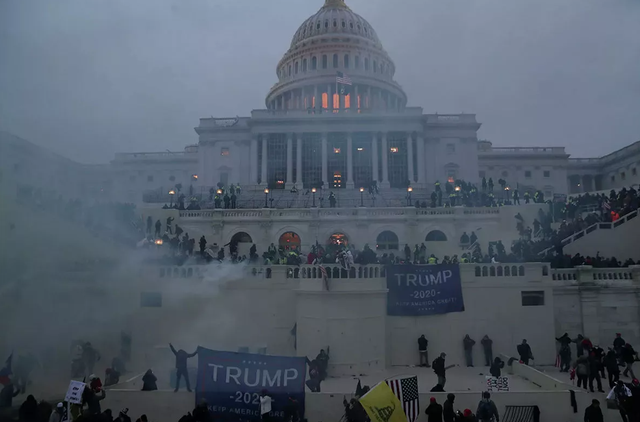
pixel 91 78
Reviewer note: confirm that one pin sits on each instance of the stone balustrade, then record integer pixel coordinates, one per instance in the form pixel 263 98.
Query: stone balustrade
pixel 589 274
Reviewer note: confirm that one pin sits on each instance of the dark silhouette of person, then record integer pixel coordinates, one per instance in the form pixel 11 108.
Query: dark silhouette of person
pixel 201 412
pixel 448 414
pixel 234 201
pixel 468 344
pixel 149 381
pixel 433 411
pixel 181 366
pixel 203 245
pixel 496 366
pixel 178 231
pixel 524 350
pixel 158 228
pixel 29 410
pixel 487 346
pixel 473 238
pixel 169 222
pixel 423 345
pixel 593 413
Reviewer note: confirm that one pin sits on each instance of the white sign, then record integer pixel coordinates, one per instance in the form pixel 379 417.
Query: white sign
pixel 497 384
pixel 74 393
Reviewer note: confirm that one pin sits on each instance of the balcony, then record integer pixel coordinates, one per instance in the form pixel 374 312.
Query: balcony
pixel 331 113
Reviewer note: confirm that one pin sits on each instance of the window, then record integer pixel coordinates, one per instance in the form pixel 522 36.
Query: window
pixel 335 60
pixel 326 24
pixel 358 64
pixel 335 24
pixel 224 178
pixel 613 178
pixel 304 65
pixel 224 152
pixel 387 240
pixel 295 67
pixel 436 236
pixel 314 63
pixel 289 70
pixel 150 300
pixel 346 61
pixel 149 178
pixel 546 173
pixel 623 175
pixel 344 24
pixel 451 148
pixel 324 61
pixel 532 298
pixel 527 174
pixel 366 63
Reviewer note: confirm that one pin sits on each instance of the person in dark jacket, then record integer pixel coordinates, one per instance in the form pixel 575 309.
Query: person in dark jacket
pixel 433 411
pixel 468 344
pixel 487 346
pixel 524 350
pixel 149 381
pixel 628 357
pixel 565 358
pixel 7 394
pixel 564 340
pixel 92 399
pixel 578 342
pixel 448 414
pixel 593 413
pixel 29 410
pixel 613 370
pixel 423 345
pixel 594 371
pixel 201 412
pixel 181 366
pixel 496 367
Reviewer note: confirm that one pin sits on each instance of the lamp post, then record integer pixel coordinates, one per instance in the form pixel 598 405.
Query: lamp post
pixel 506 193
pixel 219 191
pixel 266 196
pixel 362 197
pixel 313 191
pixel 171 193
pixel 409 190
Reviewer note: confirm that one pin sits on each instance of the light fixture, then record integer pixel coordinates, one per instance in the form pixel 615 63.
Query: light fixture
pixel 266 190
pixel 336 150
pixel 393 149
pixel 409 189
pixel 172 192
pixel 457 189
pixel 158 242
pixel 219 191
pixel 360 149
pixel 194 176
pixel 313 190
pixel 361 189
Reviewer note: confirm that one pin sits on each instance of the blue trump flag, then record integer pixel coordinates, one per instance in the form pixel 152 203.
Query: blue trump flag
pixel 231 383
pixel 424 290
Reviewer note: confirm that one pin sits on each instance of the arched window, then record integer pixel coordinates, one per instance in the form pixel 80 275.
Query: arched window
pixel 289 70
pixel 289 241
pixel 387 240
pixel 338 239
pixel 304 65
pixel 357 62
pixel 295 66
pixel 436 236
pixel 241 237
pixel 375 66
pixel 324 61
pixel 346 61
pixel 335 60
pixel 314 63
pixel 366 63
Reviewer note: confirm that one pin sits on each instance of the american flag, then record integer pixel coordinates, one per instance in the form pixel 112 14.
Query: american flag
pixel 343 79
pixel 323 271
pixel 406 390
pixel 605 205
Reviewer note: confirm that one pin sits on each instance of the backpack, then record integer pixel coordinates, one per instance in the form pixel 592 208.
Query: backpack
pixel 485 411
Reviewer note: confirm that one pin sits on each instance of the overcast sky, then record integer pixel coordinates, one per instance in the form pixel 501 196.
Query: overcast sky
pixel 89 78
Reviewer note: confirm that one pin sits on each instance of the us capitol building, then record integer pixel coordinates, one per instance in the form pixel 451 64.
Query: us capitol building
pixel 316 132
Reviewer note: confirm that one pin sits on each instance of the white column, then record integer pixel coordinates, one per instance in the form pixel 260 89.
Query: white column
pixel 374 157
pixel 299 161
pixel 264 160
pixel 289 180
pixel 385 161
pixel 420 160
pixel 349 161
pixel 324 161
pixel 410 158
pixel 254 160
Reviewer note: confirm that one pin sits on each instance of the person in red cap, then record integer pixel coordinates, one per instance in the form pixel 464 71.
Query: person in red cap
pixel 433 411
pixel 468 416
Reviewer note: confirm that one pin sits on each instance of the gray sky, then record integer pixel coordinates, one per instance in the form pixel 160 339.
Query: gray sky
pixel 89 78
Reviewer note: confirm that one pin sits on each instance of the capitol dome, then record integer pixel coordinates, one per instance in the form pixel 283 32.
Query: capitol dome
pixel 336 41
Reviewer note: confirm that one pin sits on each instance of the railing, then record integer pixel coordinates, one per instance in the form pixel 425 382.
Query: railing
pixel 328 112
pixel 519 150
pixel 590 274
pixel 500 270
pixel 290 271
pixel 592 228
pixel 274 213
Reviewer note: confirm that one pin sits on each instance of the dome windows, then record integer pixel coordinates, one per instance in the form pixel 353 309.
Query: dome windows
pixel 346 61
pixel 314 63
pixel 318 25
pixel 351 25
pixel 326 24
pixel 324 61
pixel 304 65
pixel 366 64
pixel 335 23
pixel 344 24
pixel 295 66
pixel 289 70
pixel 335 61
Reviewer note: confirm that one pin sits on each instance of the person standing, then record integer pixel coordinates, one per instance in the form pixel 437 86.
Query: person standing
pixel 423 345
pixel 524 350
pixel 628 357
pixel 440 369
pixel 181 366
pixel 594 371
pixel 582 371
pixel 56 414
pixel 448 414
pixel 496 367
pixel 468 344
pixel 613 370
pixel 578 342
pixel 158 228
pixel 565 357
pixel 265 405
pixel 593 413
pixel 169 222
pixel 621 395
pixel 487 346
pixel 487 410
pixel 433 411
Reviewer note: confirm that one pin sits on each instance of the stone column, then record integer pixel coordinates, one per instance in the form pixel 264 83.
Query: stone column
pixel 299 161
pixel 324 161
pixel 420 161
pixel 329 98
pixel 354 100
pixel 264 160
pixel 289 180
pixel 374 157
pixel 349 161
pixel 254 160
pixel 385 162
pixel 410 158
pixel 315 97
pixel 369 99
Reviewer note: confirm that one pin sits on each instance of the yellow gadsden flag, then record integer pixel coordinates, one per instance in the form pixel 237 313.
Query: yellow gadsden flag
pixel 382 405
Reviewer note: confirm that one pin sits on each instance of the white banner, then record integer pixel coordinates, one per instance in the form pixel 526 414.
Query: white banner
pixel 74 392
pixel 497 384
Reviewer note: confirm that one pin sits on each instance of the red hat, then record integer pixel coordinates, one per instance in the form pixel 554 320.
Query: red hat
pixel 432 399
pixel 467 413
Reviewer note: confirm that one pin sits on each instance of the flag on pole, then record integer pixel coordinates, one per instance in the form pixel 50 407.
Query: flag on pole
pixel 325 278
pixel 606 206
pixel 406 390
pixel 343 79
pixel 382 405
